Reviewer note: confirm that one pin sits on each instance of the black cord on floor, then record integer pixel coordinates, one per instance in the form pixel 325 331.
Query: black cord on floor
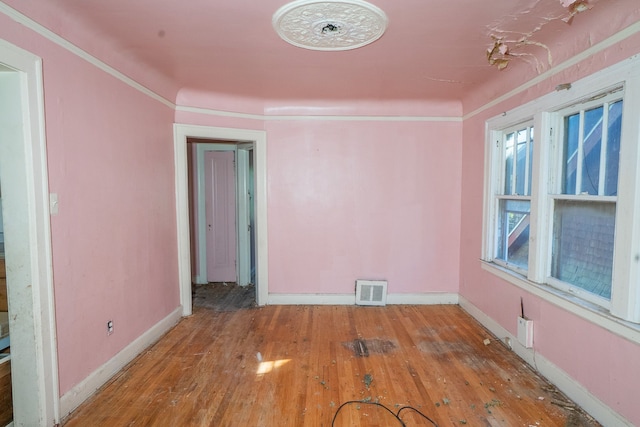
pixel 396 415
pixel 411 408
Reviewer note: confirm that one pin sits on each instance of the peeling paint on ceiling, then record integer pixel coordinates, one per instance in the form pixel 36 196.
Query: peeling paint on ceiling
pixel 510 45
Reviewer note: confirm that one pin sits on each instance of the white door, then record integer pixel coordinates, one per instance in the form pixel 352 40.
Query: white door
pixel 220 193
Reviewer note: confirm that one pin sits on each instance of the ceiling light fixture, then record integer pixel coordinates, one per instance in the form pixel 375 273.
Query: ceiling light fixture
pixel 330 25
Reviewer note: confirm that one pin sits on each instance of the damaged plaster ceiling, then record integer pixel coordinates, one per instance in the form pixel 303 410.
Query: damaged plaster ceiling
pixel 518 43
pixel 436 49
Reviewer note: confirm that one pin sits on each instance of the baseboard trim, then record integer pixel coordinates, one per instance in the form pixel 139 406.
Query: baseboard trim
pixel 311 299
pixel 574 390
pixel 350 299
pixel 85 389
pixel 435 298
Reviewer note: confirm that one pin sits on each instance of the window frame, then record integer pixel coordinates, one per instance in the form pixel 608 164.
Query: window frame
pixel 546 113
pixel 498 195
pixel 554 184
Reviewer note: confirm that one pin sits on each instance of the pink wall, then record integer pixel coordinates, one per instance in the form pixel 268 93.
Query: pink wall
pixel 191 118
pixel 220 102
pixel 351 200
pixel 605 364
pixel 110 159
pixel 359 198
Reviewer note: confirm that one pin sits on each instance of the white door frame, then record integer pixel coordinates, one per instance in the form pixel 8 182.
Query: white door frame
pixel 24 176
pixel 244 215
pixel 181 133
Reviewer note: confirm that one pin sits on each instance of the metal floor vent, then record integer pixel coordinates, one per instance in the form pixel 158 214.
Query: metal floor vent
pixel 371 292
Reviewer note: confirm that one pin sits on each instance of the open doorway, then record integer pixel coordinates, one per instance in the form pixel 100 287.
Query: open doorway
pixel 222 213
pixel 27 239
pixel 249 147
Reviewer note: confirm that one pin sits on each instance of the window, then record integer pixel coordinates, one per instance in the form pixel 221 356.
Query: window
pixel 584 200
pixel 514 199
pixel 562 204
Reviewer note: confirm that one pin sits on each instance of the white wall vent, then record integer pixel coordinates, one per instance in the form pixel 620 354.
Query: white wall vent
pixel 371 292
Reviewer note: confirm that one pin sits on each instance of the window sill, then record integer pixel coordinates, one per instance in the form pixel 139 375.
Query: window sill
pixel 588 311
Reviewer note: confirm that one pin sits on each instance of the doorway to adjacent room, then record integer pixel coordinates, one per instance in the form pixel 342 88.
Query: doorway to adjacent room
pixel 195 146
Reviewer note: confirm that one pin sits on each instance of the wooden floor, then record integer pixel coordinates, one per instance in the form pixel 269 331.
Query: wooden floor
pixel 239 365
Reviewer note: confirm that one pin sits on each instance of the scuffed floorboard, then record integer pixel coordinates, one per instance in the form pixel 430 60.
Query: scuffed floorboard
pixel 242 365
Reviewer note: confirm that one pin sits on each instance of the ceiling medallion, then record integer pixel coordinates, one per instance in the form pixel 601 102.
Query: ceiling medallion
pixel 330 25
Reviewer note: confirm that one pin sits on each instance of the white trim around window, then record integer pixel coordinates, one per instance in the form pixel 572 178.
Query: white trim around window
pixel 551 191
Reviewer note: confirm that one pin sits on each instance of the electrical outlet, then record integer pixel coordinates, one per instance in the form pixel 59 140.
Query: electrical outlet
pixel 109 327
pixel 525 332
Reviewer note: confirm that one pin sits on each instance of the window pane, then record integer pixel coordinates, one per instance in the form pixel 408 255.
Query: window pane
pixel 613 149
pixel 513 232
pixel 583 245
pixel 591 157
pixel 518 156
pixel 521 165
pixel 508 162
pixel 591 148
pixel 572 129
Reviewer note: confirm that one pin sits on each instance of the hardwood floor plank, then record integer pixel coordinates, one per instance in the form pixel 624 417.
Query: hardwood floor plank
pixel 295 365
